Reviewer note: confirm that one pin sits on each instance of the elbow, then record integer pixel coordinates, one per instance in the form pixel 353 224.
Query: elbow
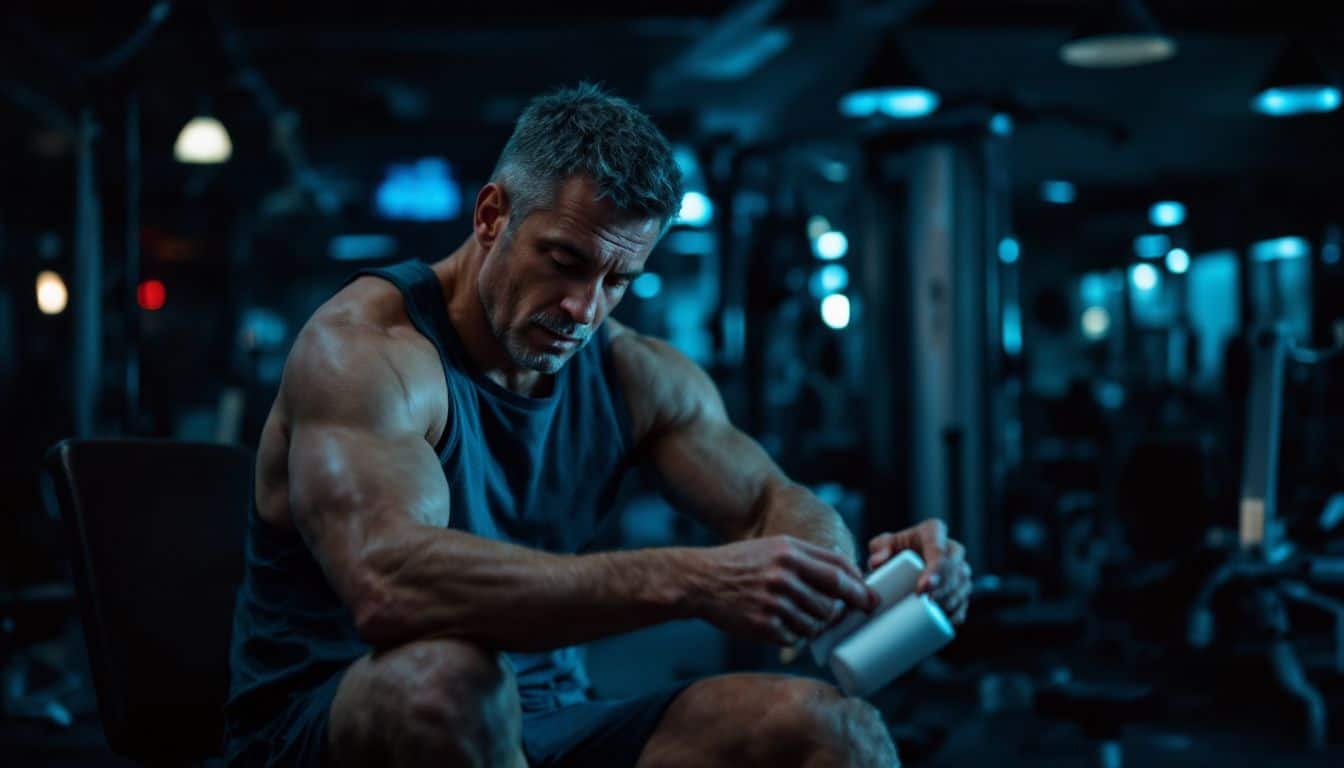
pixel 380 619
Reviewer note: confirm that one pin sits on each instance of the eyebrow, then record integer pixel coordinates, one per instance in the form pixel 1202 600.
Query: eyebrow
pixel 579 253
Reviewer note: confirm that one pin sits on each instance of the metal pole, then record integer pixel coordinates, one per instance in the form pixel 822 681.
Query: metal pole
pixel 131 317
pixel 88 282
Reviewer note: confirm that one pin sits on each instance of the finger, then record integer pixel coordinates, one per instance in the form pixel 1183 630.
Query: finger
pixel 831 556
pixel 882 547
pixel 955 578
pixel 776 631
pixel 882 543
pixel 933 547
pixel 955 551
pixel 957 601
pixel 836 583
pixel 818 606
pixel 798 623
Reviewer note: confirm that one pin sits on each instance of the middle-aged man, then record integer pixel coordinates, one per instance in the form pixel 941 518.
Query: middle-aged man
pixel 447 438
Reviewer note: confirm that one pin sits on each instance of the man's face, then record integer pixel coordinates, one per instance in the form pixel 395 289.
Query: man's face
pixel 547 288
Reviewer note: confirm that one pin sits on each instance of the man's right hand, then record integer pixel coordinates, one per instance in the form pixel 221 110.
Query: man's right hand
pixel 777 589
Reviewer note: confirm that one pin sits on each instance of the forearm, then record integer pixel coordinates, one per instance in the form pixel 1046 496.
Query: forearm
pixel 430 582
pixel 791 509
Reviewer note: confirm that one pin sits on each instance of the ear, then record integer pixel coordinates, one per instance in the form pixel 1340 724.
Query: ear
pixel 491 215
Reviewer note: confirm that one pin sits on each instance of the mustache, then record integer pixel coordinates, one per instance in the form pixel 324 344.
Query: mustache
pixel 562 326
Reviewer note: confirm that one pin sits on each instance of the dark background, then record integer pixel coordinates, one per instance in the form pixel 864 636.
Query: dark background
pixel 1094 475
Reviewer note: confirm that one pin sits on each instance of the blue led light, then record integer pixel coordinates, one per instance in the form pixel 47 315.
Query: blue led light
pixel 1009 250
pixel 421 191
pixel 647 285
pixel 835 311
pixel 831 278
pixel 696 209
pixel 1151 246
pixel 1058 192
pixel 1178 261
pixel 1012 329
pixel 1144 277
pixel 1297 100
pixel 361 247
pixel 902 103
pixel 1280 248
pixel 1167 213
pixel 1001 124
pixel 831 245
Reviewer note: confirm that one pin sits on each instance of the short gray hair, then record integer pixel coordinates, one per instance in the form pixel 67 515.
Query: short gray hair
pixel 586 131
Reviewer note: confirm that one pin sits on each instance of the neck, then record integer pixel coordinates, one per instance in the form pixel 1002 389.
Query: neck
pixel 457 275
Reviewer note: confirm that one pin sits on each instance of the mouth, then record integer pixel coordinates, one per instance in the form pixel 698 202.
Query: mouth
pixel 557 338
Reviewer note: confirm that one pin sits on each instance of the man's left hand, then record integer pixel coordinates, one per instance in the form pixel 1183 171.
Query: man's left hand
pixel 946 577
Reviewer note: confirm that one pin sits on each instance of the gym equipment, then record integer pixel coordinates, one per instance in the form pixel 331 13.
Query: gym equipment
pixel 1268 569
pixel 155 530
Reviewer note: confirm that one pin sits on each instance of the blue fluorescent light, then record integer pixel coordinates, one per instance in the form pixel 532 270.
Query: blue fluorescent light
pixel 1167 213
pixel 696 209
pixel 903 103
pixel 1012 329
pixel 835 311
pixel 421 191
pixel 831 245
pixel 1151 246
pixel 1009 250
pixel 1093 288
pixel 831 278
pixel 1297 100
pixel 1280 248
pixel 361 247
pixel 647 285
pixel 1058 192
pixel 1178 261
pixel 1144 277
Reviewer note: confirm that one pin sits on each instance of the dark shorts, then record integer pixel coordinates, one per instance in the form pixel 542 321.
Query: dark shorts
pixel 599 732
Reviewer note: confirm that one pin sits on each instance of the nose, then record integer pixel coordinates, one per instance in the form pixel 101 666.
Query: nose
pixel 581 303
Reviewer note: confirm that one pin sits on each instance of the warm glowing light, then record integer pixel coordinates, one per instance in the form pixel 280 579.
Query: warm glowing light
pixel 51 293
pixel 203 140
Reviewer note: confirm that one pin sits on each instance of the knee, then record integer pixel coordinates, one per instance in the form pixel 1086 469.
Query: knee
pixel 465 696
pixel 823 727
pixel 446 700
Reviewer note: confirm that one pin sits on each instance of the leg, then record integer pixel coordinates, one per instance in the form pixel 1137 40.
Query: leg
pixel 433 702
pixel 736 721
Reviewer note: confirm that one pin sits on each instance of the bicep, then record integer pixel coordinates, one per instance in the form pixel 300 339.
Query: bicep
pixel 360 469
pixel 706 465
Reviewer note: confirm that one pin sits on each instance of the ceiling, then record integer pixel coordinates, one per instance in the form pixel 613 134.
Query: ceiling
pixel 367 80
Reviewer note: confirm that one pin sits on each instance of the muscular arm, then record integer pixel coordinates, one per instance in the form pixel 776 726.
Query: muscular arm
pixel 709 467
pixel 368 495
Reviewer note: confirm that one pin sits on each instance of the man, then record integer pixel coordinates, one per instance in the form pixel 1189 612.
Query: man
pixel 447 438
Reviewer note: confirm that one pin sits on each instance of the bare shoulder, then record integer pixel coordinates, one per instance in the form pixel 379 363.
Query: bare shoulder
pixel 358 360
pixel 662 386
